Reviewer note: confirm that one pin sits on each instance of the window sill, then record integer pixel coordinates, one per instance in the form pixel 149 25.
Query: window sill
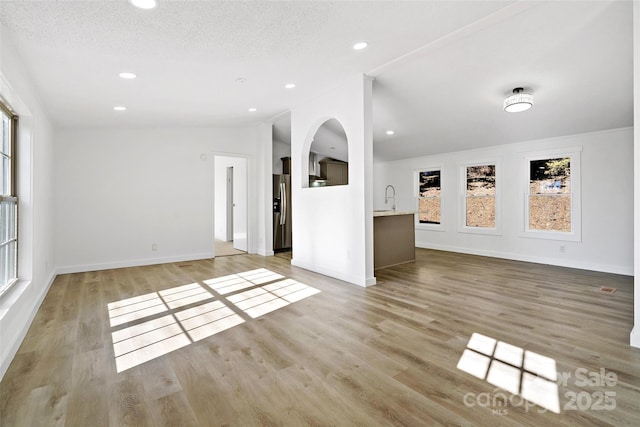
pixel 429 227
pixel 550 235
pixel 479 230
pixel 7 289
pixel 11 294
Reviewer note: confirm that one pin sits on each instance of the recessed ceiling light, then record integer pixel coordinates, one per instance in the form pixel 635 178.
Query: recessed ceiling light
pixel 144 4
pixel 360 45
pixel 290 85
pixel 390 132
pixel 253 109
pixel 119 108
pixel 127 75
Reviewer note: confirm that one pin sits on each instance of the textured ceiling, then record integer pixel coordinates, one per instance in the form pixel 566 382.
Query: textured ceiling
pixel 189 54
pixel 574 57
pixel 441 68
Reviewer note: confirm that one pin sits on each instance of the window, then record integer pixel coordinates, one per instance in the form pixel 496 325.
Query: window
pixel 551 197
pixel 429 197
pixel 550 194
pixel 8 201
pixel 480 197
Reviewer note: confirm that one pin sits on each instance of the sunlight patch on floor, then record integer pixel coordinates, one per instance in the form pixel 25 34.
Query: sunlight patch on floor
pixel 520 372
pixel 265 299
pixel 151 325
pixel 131 309
pixel 235 282
pixel 184 295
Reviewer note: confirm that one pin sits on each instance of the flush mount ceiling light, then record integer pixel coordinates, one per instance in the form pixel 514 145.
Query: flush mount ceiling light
pixel 253 110
pixel 290 85
pixel 518 102
pixel 127 75
pixel 144 4
pixel 119 108
pixel 390 132
pixel 360 45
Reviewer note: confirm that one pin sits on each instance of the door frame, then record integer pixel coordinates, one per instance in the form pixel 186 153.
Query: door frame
pixel 230 203
pixel 222 200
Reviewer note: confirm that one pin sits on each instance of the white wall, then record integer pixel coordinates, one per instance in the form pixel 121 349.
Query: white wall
pixel 280 150
pixel 607 202
pixel 635 333
pixel 125 190
pixel 333 226
pixel 265 188
pixel 220 199
pixel 36 192
pixel 240 185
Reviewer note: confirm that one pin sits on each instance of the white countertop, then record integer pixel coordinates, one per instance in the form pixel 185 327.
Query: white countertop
pixel 392 212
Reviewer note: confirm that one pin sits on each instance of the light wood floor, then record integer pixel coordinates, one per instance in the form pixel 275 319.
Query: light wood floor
pixel 226 249
pixel 386 355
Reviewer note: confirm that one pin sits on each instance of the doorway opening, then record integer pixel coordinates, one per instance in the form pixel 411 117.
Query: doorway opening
pixel 230 200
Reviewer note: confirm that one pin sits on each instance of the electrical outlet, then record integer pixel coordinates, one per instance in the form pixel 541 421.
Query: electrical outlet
pixel 154 247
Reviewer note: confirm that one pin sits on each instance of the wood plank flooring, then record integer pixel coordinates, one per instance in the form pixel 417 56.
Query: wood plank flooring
pixel 223 248
pixel 345 356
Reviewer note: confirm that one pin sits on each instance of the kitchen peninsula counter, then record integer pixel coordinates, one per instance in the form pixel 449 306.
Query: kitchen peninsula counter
pixel 394 238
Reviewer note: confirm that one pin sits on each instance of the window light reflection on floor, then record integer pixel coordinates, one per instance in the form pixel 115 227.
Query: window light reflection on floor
pixel 151 325
pixel 132 309
pixel 234 282
pixel 504 365
pixel 184 295
pixel 260 301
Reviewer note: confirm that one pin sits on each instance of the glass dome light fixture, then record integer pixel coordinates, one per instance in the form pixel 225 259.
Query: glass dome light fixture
pixel 518 102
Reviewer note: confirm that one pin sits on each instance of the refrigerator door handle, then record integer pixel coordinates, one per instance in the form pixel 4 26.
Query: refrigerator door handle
pixel 283 201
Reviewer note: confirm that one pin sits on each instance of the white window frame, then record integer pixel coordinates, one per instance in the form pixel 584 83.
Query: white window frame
pixel 416 182
pixel 10 199
pixel 574 154
pixel 462 199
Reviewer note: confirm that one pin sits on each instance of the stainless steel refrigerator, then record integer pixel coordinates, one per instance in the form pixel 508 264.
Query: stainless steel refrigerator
pixel 281 212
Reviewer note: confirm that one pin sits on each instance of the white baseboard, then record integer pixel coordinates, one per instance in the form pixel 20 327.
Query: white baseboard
pixel 358 281
pixel 605 268
pixel 132 263
pixel 11 344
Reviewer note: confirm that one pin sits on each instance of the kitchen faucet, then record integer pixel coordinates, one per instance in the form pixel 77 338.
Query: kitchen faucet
pixel 387 197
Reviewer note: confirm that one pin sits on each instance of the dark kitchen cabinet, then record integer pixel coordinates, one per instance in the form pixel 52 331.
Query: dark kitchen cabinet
pixel 334 171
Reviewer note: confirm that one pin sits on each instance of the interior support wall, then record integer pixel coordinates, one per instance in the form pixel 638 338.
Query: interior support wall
pixel 333 226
